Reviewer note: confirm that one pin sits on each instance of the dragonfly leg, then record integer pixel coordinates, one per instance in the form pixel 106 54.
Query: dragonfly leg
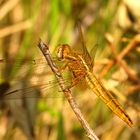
pixel 75 80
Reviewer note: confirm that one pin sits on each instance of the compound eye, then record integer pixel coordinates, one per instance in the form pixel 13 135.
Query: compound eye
pixel 63 52
pixel 60 52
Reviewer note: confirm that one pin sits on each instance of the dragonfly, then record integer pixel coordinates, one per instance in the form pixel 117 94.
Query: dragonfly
pixel 80 64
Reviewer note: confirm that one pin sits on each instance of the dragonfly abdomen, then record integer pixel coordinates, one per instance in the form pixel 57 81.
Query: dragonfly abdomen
pixel 107 97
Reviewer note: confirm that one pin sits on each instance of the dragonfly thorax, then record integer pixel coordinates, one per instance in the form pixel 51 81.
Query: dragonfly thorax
pixel 84 63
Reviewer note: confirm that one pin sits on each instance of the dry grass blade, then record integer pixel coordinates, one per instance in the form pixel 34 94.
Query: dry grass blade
pixel 7 7
pixel 15 28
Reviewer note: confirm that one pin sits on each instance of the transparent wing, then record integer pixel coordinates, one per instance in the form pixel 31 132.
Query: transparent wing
pixel 17 69
pixel 81 49
pixel 24 89
pixel 18 63
pixel 40 78
pixel 93 52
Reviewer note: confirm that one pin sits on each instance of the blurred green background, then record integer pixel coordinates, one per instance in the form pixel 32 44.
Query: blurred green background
pixel 113 26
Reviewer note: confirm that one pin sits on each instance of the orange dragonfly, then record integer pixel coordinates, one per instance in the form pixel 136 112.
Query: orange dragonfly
pixel 81 65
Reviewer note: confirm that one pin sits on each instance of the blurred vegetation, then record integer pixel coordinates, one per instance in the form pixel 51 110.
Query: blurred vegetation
pixel 113 25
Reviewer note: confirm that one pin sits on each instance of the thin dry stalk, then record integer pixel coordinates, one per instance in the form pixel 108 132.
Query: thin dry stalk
pixel 45 50
pixel 119 57
pixel 106 68
pixel 135 41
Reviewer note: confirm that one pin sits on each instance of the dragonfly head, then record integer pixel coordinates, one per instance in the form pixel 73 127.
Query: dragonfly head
pixel 63 51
